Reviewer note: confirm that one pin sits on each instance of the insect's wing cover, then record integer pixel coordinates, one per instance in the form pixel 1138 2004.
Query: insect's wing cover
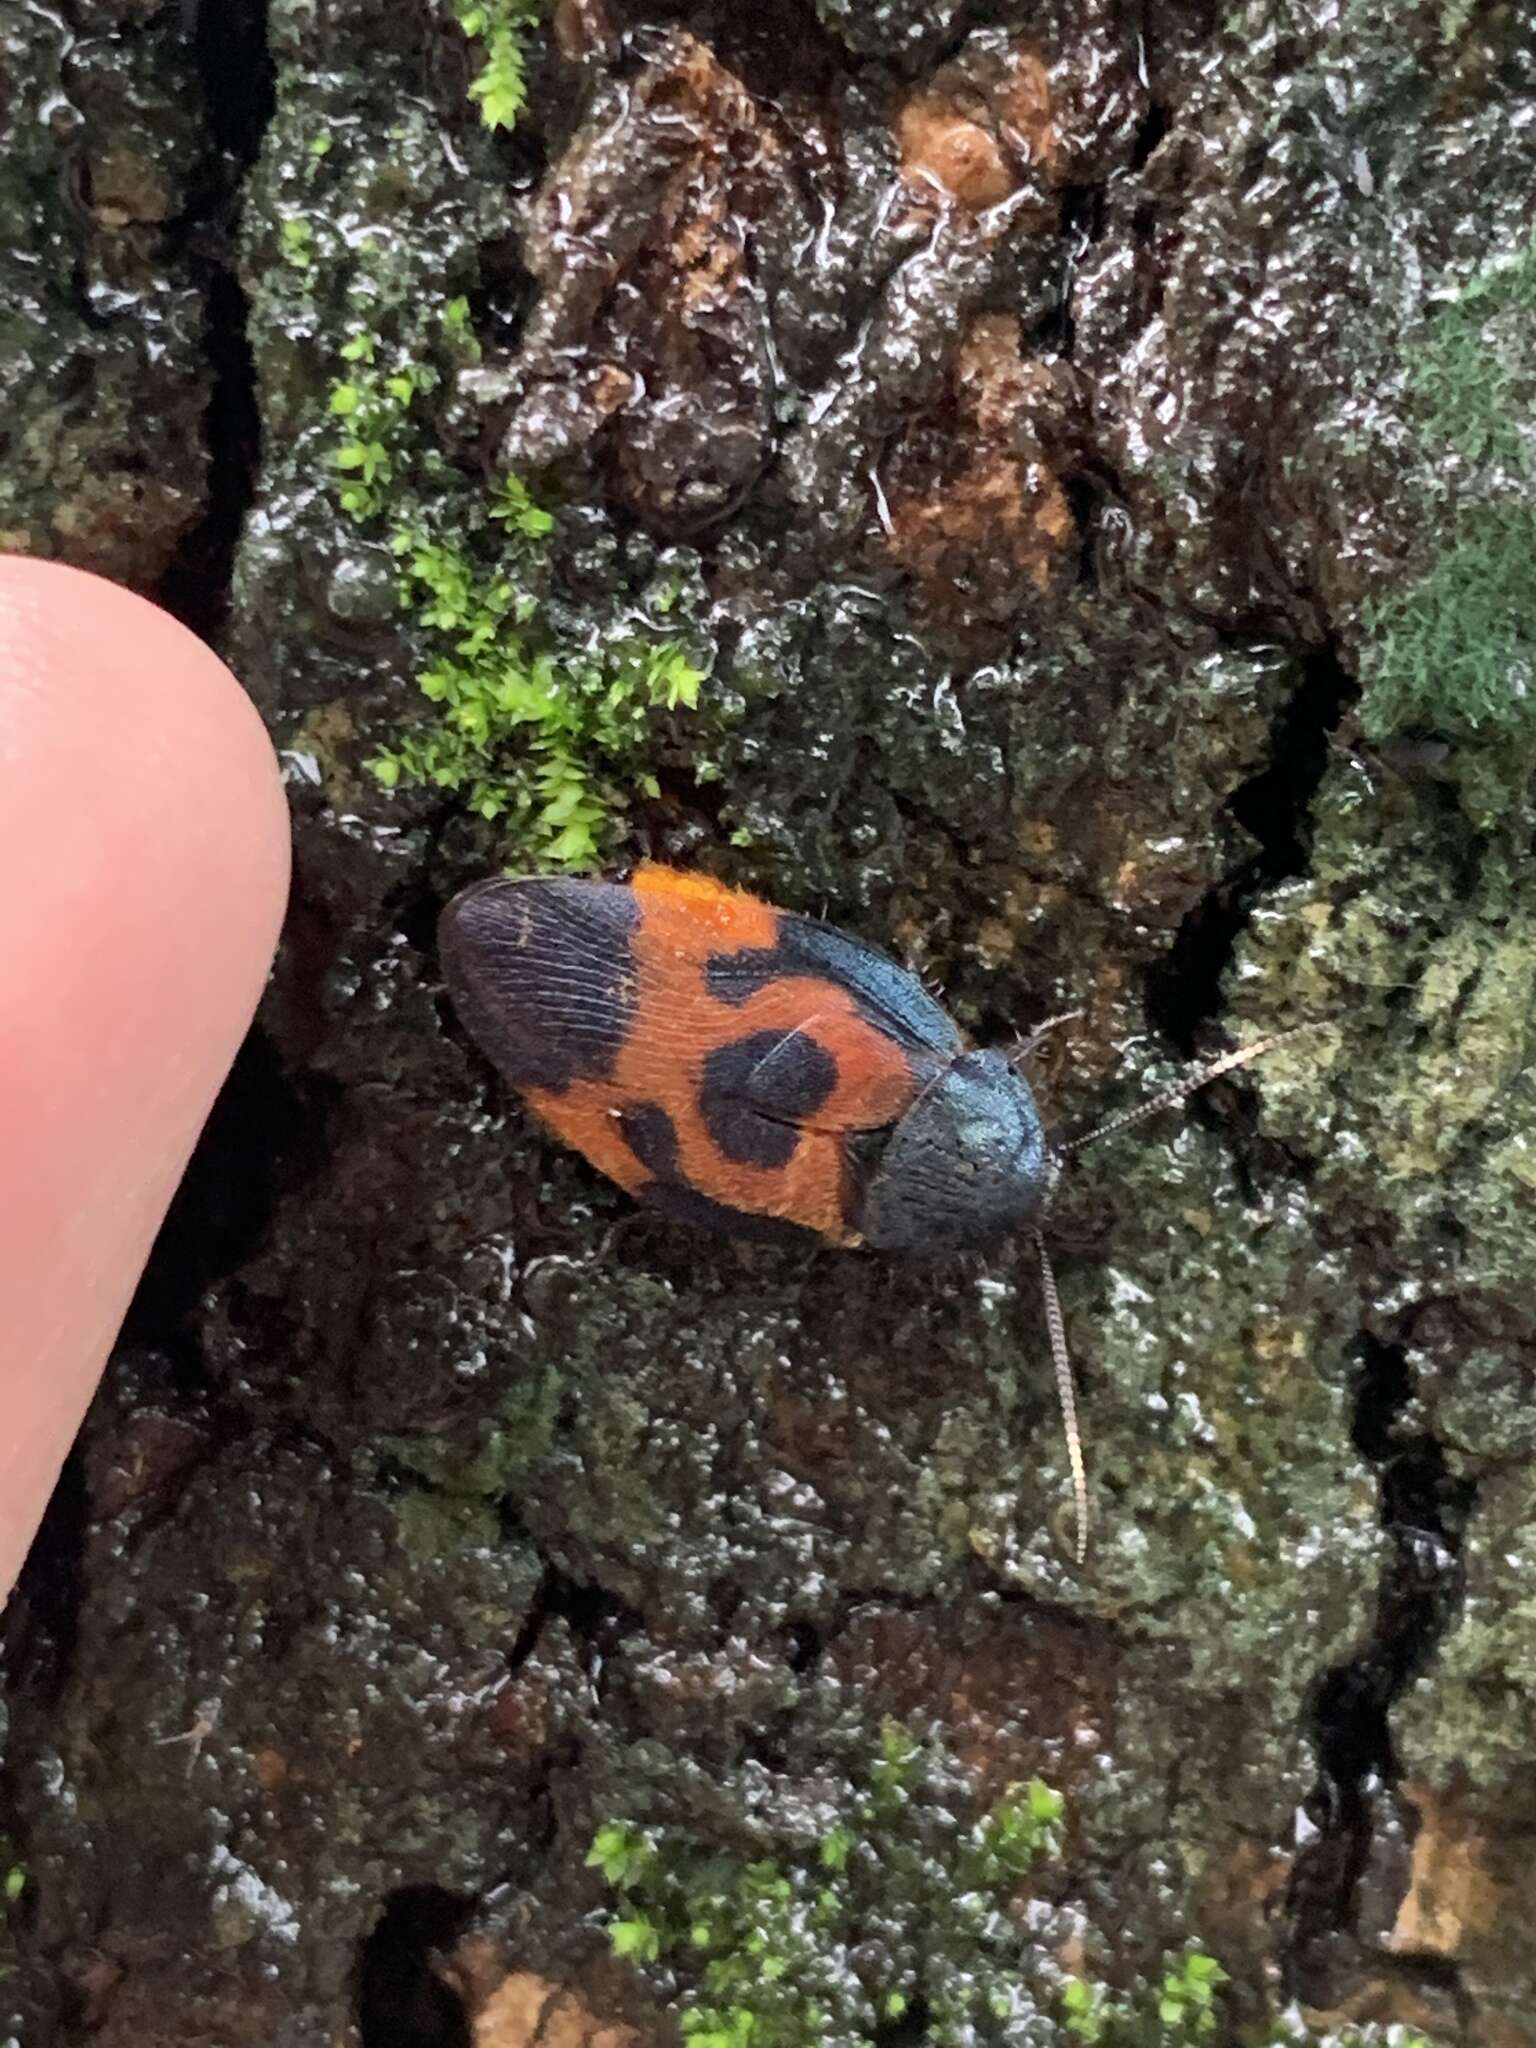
pixel 793 1021
pixel 696 1044
pixel 891 997
pixel 541 975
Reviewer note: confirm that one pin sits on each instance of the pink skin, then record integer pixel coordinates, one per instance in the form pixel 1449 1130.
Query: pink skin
pixel 144 844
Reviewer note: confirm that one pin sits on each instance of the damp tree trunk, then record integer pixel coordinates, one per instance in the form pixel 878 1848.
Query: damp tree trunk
pixel 1048 484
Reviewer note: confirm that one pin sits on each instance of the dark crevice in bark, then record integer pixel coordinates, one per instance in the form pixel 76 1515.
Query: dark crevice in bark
pixel 1084 496
pixel 1155 125
pixel 402 1998
pixel 221 1211
pixel 1083 212
pixel 1184 989
pixel 1424 1510
pixel 196 586
pixel 803 1647
pixel 235 62
pixel 235 67
pixel 598 1619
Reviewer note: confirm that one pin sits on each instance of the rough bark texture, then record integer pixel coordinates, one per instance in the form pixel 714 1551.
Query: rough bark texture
pixel 1028 402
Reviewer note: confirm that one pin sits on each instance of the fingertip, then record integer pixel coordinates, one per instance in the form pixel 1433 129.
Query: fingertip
pixel 96 677
pixel 145 839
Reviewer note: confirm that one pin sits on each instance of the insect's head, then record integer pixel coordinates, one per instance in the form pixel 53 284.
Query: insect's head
pixel 965 1166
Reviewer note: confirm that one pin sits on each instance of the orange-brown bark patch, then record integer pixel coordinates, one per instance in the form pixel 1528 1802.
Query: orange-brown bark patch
pixel 977 514
pixel 980 129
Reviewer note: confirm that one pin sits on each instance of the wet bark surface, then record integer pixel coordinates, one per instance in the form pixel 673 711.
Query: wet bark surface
pixel 1027 403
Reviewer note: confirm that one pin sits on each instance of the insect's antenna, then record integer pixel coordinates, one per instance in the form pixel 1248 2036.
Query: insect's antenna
pixel 1187 1086
pixel 1065 1395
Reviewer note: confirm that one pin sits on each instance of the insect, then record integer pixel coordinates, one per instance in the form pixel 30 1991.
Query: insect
pixel 735 1065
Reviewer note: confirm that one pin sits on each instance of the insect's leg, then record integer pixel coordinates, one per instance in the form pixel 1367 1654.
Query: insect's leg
pixel 1026 1046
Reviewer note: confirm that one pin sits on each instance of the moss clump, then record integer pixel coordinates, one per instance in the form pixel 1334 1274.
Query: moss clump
pixel 901 1914
pixel 1474 373
pixel 550 739
pixel 504 1449
pixel 822 1947
pixel 1455 650
pixel 297 237
pixel 502 28
pixel 434 1526
pixel 547 719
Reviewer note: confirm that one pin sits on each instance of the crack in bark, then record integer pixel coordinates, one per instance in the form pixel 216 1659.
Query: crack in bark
pixel 1424 1510
pixel 234 64
pixel 1272 806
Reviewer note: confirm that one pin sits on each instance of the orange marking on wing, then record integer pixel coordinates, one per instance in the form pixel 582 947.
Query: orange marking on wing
pixel 715 917
pixel 677 1023
pixel 586 1115
pixel 807 1190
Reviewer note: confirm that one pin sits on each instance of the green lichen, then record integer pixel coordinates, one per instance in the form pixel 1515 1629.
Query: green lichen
pixel 435 1526
pixel 507 1446
pixel 1455 650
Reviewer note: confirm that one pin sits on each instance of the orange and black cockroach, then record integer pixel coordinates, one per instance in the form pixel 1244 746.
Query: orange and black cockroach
pixel 731 1064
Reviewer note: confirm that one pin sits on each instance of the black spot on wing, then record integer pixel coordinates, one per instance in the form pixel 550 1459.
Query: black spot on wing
pixel 687 1205
pixel 730 1098
pixel 893 1000
pixel 736 977
pixel 541 973
pixel 791 1078
pixel 862 1152
pixel 652 1136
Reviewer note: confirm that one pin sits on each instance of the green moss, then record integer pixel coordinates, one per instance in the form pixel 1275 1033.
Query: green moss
pixel 549 738
pixel 506 1447
pixel 1182 2008
pixel 298 241
pixel 909 1907
pixel 548 715
pixel 502 28
pixel 1455 650
pixel 552 741
pixel 1474 372
pixel 13 1887
pixel 769 1951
